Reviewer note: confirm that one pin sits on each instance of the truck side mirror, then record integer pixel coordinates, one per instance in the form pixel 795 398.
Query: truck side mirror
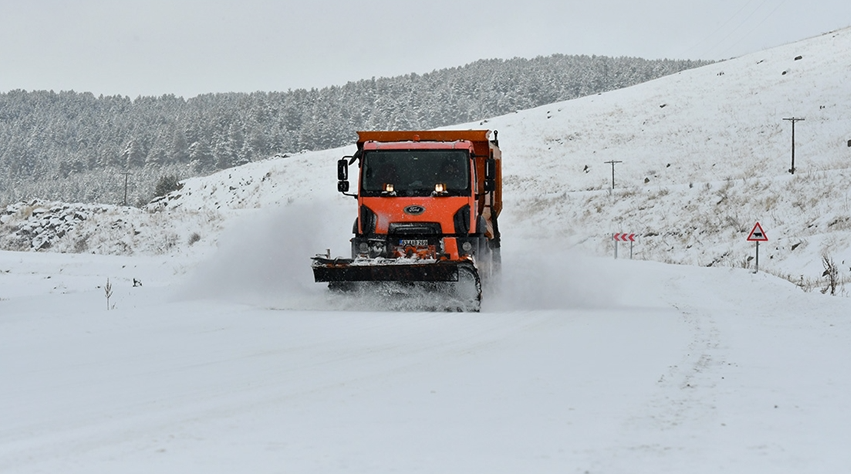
pixel 343 169
pixel 343 175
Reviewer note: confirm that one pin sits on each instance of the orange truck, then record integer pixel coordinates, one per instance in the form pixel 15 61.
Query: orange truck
pixel 428 203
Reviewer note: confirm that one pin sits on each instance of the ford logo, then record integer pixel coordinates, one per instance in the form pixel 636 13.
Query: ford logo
pixel 414 210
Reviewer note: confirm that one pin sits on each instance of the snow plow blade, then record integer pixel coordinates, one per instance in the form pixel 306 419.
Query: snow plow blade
pixel 341 269
pixel 462 277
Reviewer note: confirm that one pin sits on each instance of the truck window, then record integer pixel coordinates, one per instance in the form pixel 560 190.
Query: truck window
pixel 415 172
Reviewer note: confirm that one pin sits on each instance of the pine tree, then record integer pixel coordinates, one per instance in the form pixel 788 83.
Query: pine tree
pixel 179 147
pixel 201 157
pixel 134 154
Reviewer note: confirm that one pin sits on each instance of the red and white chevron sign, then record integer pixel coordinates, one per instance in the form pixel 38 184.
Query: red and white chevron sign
pixel 624 237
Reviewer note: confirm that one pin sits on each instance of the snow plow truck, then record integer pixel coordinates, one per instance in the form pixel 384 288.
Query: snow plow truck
pixel 428 208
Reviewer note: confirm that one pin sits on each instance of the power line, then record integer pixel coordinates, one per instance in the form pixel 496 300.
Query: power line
pixel 722 25
pixel 756 26
pixel 737 27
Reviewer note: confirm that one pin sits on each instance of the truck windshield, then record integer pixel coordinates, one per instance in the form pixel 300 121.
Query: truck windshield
pixel 416 172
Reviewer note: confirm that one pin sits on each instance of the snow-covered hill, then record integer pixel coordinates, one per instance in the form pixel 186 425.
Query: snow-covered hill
pixel 703 154
pixel 213 350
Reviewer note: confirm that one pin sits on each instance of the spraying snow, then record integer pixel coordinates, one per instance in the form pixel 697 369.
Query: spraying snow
pixel 263 260
pixel 555 279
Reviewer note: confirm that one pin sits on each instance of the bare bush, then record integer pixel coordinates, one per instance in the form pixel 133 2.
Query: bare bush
pixel 831 275
pixel 81 245
pixel 107 292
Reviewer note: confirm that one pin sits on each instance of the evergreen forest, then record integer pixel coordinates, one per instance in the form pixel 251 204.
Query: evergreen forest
pixel 75 147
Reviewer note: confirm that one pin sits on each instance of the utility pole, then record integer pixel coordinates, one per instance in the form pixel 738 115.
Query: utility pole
pixel 793 120
pixel 126 174
pixel 613 170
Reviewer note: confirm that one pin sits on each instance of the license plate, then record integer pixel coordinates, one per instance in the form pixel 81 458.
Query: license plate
pixel 413 243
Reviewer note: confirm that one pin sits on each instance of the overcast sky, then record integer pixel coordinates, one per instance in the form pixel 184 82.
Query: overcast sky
pixel 193 47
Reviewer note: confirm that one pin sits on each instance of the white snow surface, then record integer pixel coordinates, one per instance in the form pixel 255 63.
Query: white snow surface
pixel 229 358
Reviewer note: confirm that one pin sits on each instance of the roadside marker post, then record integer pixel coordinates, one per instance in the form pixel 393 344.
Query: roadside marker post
pixel 757 235
pixel 621 237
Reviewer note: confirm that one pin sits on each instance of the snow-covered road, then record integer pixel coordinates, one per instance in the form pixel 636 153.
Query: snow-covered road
pixel 665 369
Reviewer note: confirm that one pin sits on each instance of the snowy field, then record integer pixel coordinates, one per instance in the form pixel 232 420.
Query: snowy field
pixel 229 358
pixel 633 367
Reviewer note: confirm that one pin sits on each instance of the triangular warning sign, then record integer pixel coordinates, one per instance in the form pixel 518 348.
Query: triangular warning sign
pixel 757 234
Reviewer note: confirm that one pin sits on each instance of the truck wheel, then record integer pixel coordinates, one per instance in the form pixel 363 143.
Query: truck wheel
pixel 468 289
